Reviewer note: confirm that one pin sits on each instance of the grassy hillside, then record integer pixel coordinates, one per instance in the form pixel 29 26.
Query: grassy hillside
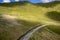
pixel 30 15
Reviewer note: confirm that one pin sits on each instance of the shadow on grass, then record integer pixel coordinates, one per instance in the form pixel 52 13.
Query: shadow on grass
pixel 54 15
pixel 28 23
pixel 47 5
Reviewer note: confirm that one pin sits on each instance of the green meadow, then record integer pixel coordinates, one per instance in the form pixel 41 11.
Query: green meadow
pixel 30 15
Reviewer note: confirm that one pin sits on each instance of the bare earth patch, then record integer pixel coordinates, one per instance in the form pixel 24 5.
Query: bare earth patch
pixel 8 20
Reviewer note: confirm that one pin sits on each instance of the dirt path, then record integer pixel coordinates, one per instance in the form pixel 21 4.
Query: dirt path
pixel 29 33
pixel 45 34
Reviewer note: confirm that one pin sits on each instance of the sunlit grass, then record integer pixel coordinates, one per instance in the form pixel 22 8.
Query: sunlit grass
pixel 31 13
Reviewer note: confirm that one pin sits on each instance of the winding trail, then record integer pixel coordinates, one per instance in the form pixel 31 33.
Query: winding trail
pixel 30 32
